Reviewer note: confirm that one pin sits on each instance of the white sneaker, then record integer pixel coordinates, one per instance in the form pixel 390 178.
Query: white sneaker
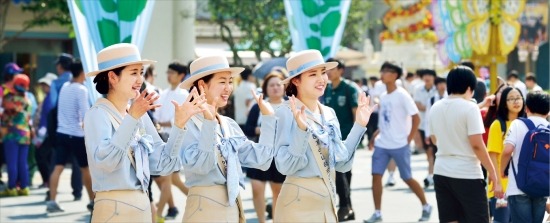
pixel 373 218
pixel 390 182
pixel 426 214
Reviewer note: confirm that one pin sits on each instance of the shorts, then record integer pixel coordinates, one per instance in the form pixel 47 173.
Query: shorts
pixel 402 157
pixel 272 174
pixel 463 200
pixel 68 146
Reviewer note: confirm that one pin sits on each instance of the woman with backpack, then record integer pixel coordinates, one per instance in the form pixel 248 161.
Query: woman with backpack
pixel 510 107
pixel 122 144
pixel 308 142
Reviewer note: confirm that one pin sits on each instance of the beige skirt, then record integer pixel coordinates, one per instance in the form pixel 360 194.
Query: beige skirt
pixel 304 200
pixel 121 206
pixel 209 204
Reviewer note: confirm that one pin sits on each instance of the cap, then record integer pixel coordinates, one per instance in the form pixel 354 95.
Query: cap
pixel 21 82
pixel 64 59
pixel 12 69
pixel 47 79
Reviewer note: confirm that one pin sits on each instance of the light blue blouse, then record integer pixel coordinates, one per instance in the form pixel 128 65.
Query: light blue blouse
pixel 294 156
pixel 107 150
pixel 200 163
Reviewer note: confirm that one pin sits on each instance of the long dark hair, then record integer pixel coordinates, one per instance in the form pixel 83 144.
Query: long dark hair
pixel 492 111
pixel 502 111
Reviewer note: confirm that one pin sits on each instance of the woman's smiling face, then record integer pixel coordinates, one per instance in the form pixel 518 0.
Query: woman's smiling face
pixel 128 83
pixel 311 83
pixel 219 88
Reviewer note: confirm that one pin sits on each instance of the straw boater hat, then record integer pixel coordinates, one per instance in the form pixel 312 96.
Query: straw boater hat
pixel 118 55
pixel 207 65
pixel 304 61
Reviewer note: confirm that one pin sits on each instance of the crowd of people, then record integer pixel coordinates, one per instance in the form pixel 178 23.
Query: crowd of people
pixel 298 133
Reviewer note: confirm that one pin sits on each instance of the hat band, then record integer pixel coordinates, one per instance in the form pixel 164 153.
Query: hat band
pixel 304 67
pixel 111 63
pixel 211 67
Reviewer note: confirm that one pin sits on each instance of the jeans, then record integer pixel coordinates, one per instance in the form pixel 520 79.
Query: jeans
pixel 500 215
pixel 16 160
pixel 524 208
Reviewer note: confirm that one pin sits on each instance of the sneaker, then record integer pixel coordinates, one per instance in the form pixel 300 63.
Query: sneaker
pixel 90 206
pixel 47 196
pixel 160 219
pixel 24 192
pixel 172 213
pixel 9 193
pixel 426 214
pixel 53 207
pixel 77 198
pixel 428 181
pixel 373 218
pixel 269 210
pixel 390 182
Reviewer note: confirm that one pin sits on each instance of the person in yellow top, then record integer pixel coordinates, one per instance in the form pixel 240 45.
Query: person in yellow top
pixel 511 106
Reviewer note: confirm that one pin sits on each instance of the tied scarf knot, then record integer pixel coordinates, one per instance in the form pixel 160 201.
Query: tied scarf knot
pixel 329 138
pixel 228 149
pixel 141 146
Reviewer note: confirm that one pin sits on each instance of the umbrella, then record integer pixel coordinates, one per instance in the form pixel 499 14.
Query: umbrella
pixel 264 67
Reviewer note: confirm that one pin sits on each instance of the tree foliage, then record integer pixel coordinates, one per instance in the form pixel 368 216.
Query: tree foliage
pixel 356 23
pixel 262 22
pixel 44 13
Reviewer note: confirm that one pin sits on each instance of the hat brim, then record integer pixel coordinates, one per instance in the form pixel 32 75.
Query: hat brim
pixel 188 83
pixel 327 66
pixel 143 62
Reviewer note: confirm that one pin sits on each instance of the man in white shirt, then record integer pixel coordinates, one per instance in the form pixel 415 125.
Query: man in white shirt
pixel 397 124
pixel 421 95
pixel 531 83
pixel 514 81
pixel 243 97
pixel 164 116
pixel 72 106
pixel 524 208
pixel 441 93
pixel 456 128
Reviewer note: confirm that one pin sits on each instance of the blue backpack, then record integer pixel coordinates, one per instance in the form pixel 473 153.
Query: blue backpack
pixel 533 167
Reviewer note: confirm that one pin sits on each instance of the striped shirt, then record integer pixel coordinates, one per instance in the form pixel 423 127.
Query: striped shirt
pixel 73 104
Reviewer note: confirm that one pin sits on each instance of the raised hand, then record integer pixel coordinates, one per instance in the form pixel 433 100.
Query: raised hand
pixel 265 107
pixel 299 114
pixel 209 111
pixel 188 108
pixel 143 104
pixel 364 110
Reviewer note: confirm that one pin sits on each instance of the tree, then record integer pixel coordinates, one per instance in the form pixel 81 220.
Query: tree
pixel 356 23
pixel 263 22
pixel 44 13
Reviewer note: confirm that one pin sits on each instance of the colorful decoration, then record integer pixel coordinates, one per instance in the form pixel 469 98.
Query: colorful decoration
pixel 317 24
pixel 482 30
pixel 408 21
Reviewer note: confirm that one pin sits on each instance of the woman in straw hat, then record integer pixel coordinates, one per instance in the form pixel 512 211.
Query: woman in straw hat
pixel 122 143
pixel 216 147
pixel 308 143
